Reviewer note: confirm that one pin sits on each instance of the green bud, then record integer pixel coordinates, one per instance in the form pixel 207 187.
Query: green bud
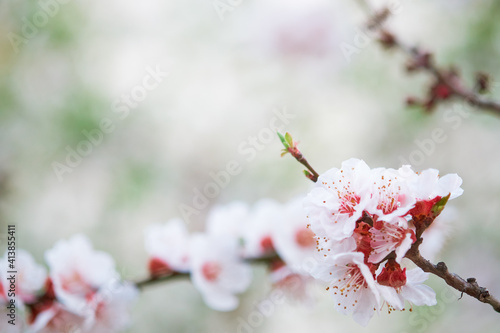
pixel 289 139
pixel 439 206
pixel 283 140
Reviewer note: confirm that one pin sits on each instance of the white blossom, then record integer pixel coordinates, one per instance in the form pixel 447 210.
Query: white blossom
pixel 257 232
pixel 217 271
pixel 294 242
pixel 78 271
pixel 228 219
pixel 339 199
pixel 29 279
pixel 110 308
pixel 167 246
pixel 351 283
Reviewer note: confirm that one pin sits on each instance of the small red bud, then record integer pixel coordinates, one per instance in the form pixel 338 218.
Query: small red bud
pixel 158 267
pixel 441 91
pixel 392 275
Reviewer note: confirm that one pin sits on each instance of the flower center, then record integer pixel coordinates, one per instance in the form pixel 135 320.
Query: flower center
pixel 305 238
pixel 211 270
pixel 352 281
pixel 76 284
pixel 266 244
pixel 390 196
pixel 348 203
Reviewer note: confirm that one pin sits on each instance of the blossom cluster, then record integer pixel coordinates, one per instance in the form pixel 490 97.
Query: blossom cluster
pixel 218 260
pixel 365 221
pixel 352 231
pixel 81 292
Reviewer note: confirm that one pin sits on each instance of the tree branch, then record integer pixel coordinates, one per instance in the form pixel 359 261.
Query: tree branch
pixel 154 280
pixel 169 275
pixel 447 83
pixel 302 160
pixel 469 286
pixel 291 147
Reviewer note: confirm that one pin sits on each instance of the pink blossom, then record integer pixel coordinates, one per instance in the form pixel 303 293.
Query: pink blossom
pixel 373 214
pixel 30 277
pixel 109 308
pixel 391 194
pixel 57 318
pixel 295 243
pixel 351 284
pixel 217 271
pixel 78 271
pixel 339 199
pixel 388 237
pixel 257 232
pixel 167 246
pixel 401 285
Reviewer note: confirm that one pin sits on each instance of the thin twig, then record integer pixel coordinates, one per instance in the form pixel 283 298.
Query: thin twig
pixel 153 280
pixel 450 80
pixel 302 160
pixel 469 286
pixel 176 275
pixel 424 61
pixel 291 147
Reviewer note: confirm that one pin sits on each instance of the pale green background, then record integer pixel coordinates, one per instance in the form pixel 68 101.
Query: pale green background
pixel 226 76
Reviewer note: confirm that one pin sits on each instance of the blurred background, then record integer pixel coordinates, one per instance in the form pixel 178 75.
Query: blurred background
pixel 113 114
